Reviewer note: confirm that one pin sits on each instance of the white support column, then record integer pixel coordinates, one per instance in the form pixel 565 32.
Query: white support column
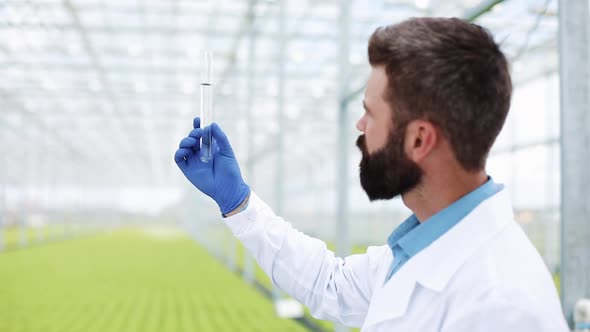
pixel 575 152
pixel 342 233
pixel 249 264
pixel 280 177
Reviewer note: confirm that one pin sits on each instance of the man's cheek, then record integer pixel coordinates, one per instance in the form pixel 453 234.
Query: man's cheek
pixel 375 145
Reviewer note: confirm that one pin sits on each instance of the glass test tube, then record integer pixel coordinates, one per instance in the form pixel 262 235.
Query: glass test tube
pixel 206 105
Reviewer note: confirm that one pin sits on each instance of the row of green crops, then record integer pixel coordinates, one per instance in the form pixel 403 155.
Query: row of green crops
pixel 132 280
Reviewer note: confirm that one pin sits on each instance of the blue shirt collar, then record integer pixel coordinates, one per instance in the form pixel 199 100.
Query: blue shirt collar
pixel 411 236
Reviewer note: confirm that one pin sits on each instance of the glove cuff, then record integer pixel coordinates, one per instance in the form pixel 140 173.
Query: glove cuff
pixel 242 195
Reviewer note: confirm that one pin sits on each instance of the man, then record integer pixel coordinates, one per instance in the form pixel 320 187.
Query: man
pixel 436 99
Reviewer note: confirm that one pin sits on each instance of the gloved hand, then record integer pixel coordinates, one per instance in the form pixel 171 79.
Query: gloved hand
pixel 220 178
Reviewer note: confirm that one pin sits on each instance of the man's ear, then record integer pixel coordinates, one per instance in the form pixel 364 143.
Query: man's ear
pixel 421 138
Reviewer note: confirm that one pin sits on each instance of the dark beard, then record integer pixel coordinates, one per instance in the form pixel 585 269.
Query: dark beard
pixel 388 172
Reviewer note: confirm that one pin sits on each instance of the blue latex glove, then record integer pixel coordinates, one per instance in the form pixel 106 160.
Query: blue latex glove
pixel 220 178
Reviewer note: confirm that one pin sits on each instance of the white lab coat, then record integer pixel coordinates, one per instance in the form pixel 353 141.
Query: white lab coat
pixel 482 275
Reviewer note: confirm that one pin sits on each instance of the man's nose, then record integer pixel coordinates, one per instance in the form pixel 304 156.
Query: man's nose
pixel 360 124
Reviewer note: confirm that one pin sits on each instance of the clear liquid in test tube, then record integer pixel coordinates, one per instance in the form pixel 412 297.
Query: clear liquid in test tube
pixel 206 105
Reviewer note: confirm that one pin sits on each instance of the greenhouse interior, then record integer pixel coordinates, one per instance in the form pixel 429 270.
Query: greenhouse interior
pixel 101 231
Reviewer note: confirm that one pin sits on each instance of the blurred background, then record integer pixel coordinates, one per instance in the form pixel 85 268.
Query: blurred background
pixel 99 230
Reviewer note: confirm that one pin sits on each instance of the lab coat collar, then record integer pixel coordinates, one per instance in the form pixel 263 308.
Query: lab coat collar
pixel 435 265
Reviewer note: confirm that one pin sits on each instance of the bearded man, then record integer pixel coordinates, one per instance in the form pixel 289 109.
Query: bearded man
pixel 436 99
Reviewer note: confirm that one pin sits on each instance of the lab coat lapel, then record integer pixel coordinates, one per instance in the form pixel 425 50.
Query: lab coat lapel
pixel 390 300
pixel 444 257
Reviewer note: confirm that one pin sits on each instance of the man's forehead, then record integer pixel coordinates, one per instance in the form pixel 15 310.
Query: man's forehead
pixel 376 85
